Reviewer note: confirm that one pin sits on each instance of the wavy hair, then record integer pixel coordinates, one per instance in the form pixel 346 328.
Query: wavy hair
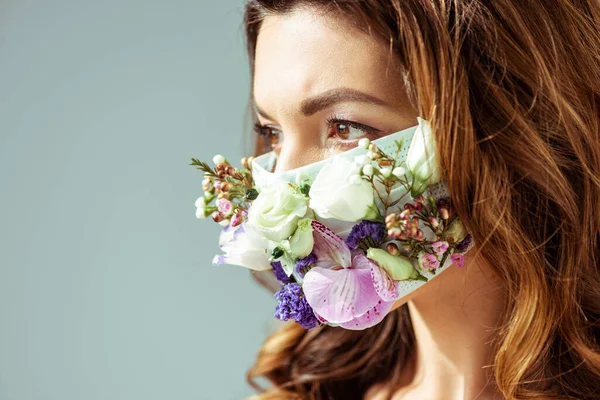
pixel 512 88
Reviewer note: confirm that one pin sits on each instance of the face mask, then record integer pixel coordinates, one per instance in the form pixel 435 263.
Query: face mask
pixel 346 237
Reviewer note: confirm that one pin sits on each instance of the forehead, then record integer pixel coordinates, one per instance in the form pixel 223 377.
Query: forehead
pixel 307 52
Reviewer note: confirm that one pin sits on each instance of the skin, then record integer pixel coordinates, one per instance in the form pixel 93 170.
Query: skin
pixel 300 56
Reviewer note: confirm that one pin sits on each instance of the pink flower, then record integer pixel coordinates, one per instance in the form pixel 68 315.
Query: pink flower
pixel 352 292
pixel 440 247
pixel 225 206
pixel 458 260
pixel 429 261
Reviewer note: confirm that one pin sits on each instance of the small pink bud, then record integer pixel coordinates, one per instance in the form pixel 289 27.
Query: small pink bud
pixel 395 233
pixel 390 219
pixel 434 222
pixel 444 213
pixel 420 235
pixel 218 217
pixel 392 249
pixel 236 220
pixel 404 214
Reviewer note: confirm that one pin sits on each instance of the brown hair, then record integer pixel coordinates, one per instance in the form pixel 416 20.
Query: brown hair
pixel 518 88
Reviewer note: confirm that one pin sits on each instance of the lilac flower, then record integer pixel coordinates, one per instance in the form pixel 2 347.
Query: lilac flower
pixel 428 261
pixel 458 260
pixel 279 273
pixel 293 305
pixel 352 292
pixel 463 245
pixel 303 264
pixel 365 230
pixel 440 247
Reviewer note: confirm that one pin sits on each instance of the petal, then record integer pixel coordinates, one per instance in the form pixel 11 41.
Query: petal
pixel 340 295
pixel 384 285
pixel 372 317
pixel 329 246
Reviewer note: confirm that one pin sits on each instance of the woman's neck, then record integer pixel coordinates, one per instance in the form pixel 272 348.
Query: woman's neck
pixel 454 317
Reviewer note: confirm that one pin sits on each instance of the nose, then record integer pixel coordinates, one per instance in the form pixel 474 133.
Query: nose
pixel 297 150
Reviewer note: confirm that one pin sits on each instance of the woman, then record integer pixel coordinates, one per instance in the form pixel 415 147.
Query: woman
pixel 513 89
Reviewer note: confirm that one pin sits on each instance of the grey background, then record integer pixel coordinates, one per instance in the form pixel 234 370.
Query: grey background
pixel 106 286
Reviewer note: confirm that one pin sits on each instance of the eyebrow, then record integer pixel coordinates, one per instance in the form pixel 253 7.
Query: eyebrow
pixel 326 99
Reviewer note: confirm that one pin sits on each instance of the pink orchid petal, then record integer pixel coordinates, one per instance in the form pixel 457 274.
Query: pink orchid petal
pixel 384 285
pixel 372 317
pixel 340 295
pixel 329 246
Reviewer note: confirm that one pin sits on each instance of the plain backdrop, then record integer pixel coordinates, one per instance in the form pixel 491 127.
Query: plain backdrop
pixel 107 291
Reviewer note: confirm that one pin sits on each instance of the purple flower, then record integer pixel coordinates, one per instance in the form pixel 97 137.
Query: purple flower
pixel 293 305
pixel 368 230
pixel 279 273
pixel 303 264
pixel 464 244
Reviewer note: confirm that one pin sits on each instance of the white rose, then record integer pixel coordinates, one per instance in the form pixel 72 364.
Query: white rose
pixel 336 193
pixel 276 211
pixel 422 160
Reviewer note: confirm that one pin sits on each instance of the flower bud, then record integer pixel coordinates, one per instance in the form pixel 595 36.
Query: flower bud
pixel 392 249
pixel 364 143
pixel 218 217
pixel 399 172
pixel 390 219
pixel 373 148
pixel 218 159
pixel 302 241
pixel 434 221
pixel 386 172
pixel 399 268
pixel 236 220
pixel 457 231
pixel 368 170
pixel 395 233
pixel 444 213
pixel 225 187
pixel 404 214
pixel 420 235
pixel 244 163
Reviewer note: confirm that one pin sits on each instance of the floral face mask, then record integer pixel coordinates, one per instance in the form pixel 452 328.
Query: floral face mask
pixel 345 237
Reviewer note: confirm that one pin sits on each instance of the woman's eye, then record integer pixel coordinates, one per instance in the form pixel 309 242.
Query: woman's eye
pixel 348 130
pixel 271 135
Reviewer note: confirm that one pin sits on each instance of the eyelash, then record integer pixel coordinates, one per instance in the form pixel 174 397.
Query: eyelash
pixel 262 130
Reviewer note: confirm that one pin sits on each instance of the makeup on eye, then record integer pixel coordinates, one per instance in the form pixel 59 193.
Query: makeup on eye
pixel 343 130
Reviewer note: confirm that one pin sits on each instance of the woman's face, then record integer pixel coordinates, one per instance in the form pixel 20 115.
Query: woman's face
pixel 320 85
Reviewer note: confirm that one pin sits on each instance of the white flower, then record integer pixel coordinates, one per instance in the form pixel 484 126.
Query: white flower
pixel 335 193
pixel 362 160
pixel 364 143
pixel 276 211
pixel 200 208
pixel 399 172
pixel 244 247
pixel 386 172
pixel 368 170
pixel 422 160
pixel 218 159
pixel 302 241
